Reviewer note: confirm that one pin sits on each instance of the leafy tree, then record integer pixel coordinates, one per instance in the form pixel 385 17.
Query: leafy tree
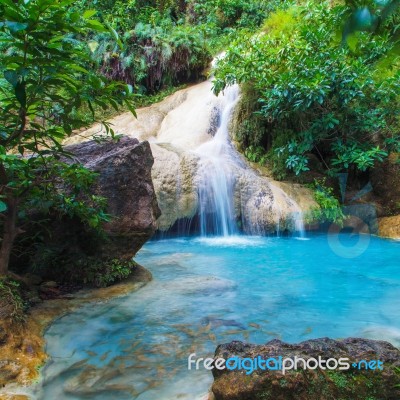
pixel 318 97
pixel 47 76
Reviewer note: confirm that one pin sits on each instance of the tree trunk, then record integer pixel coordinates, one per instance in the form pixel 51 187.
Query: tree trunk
pixel 9 233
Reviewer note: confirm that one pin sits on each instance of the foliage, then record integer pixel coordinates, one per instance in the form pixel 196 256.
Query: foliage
pixel 316 96
pixel 256 154
pixel 168 42
pixel 371 16
pixel 154 57
pixel 228 13
pixel 47 77
pixel 12 306
pixel 102 274
pixel 85 270
pixel 329 209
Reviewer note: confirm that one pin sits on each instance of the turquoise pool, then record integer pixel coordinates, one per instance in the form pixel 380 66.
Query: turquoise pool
pixel 213 290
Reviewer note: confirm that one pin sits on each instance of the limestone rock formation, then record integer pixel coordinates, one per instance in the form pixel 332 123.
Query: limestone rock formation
pixel 351 384
pixel 177 128
pixel 389 227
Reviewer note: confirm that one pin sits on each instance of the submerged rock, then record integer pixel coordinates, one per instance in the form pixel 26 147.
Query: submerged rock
pixel 195 284
pixel 217 322
pixel 351 384
pixel 22 347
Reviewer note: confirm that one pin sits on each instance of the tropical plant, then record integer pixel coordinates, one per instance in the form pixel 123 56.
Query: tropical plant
pixel 329 208
pixel 317 97
pixel 47 76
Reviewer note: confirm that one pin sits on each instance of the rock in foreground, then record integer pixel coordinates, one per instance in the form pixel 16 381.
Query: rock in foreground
pixel 318 384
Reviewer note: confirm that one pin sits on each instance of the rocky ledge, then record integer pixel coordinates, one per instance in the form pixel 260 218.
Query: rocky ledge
pixel 389 227
pixel 318 384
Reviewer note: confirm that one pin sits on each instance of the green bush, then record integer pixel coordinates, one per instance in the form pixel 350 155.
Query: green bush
pixel 12 305
pixel 317 96
pixel 105 273
pixel 329 209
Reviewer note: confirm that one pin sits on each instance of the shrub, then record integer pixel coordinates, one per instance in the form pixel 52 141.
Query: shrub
pixel 12 305
pixel 329 209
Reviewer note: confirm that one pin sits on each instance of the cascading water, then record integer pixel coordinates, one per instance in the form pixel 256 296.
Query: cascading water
pixel 203 185
pixel 216 180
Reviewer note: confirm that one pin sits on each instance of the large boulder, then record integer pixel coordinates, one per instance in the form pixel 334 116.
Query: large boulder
pixel 69 250
pixel 124 179
pixel 350 384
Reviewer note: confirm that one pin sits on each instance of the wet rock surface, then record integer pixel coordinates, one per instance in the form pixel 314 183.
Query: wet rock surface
pixel 318 384
pixel 177 128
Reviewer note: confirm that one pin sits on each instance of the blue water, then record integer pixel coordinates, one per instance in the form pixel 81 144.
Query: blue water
pixel 213 290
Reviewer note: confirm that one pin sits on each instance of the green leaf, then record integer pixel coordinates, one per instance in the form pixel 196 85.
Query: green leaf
pixel 89 13
pixel 115 35
pixel 20 93
pixel 93 45
pixel 96 25
pixel 131 108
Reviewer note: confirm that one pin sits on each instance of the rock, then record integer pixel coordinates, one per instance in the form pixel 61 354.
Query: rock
pixel 385 179
pixel 49 285
pixel 9 370
pixel 195 284
pixel 3 335
pixel 389 227
pixel 176 128
pixel 32 279
pixel 361 218
pixel 351 384
pixel 124 179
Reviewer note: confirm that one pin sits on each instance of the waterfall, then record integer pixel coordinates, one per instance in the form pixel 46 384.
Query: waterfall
pixel 203 184
pixel 215 174
pixel 298 221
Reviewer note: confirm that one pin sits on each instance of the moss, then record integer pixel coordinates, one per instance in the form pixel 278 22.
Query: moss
pixel 281 22
pixel 283 382
pixel 248 127
pixel 339 379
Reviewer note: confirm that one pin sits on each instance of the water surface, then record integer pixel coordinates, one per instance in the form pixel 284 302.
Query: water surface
pixel 213 290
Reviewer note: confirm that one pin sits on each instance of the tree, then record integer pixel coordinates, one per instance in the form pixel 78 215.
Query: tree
pixel 318 97
pixel 46 77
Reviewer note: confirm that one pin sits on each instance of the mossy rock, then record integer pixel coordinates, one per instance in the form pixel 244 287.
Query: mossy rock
pixel 321 384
